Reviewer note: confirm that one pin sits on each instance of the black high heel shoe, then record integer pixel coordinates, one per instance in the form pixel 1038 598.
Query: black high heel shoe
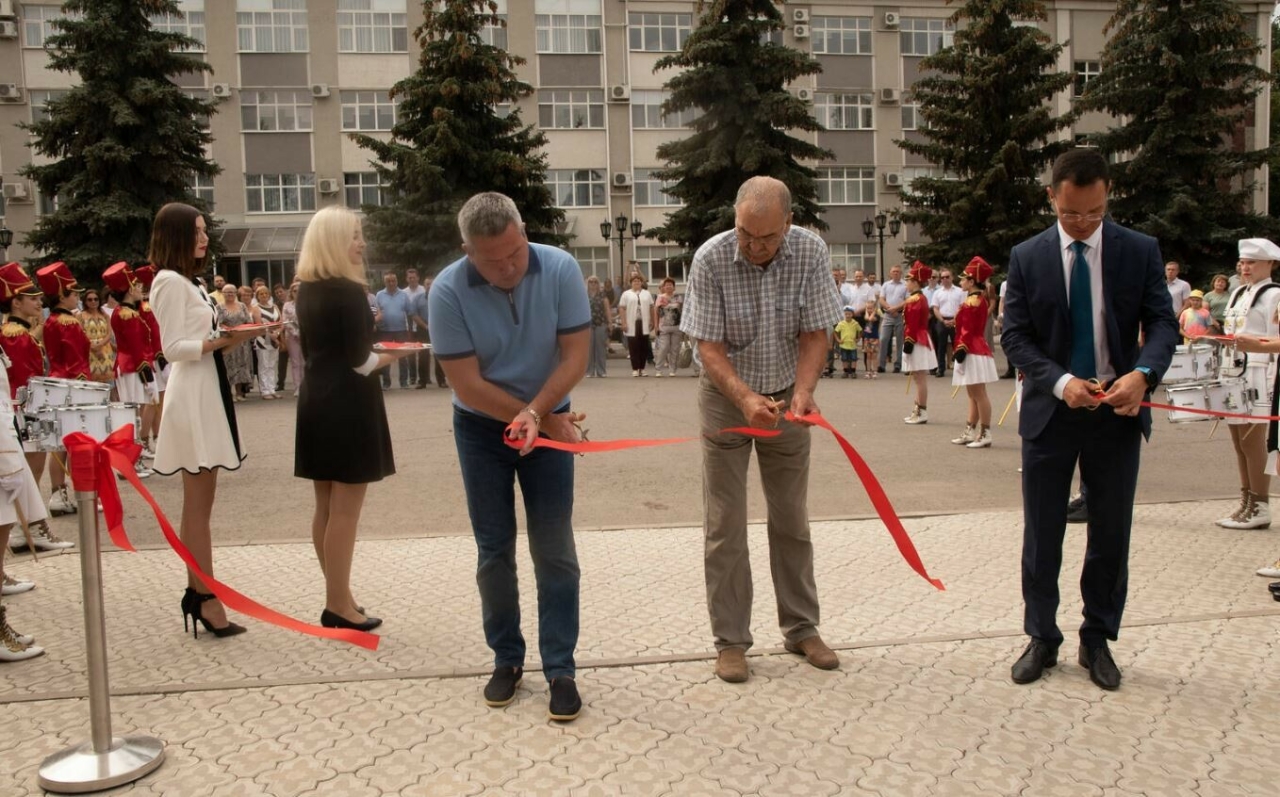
pixel 330 619
pixel 191 601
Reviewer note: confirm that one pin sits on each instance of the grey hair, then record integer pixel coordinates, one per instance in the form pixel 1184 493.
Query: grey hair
pixel 487 215
pixel 759 190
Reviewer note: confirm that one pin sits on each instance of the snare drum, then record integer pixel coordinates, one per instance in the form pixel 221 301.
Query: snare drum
pixel 1193 363
pixel 46 392
pixel 97 421
pixel 1224 395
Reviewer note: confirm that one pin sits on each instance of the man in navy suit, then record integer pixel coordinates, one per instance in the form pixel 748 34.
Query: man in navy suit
pixel 1079 295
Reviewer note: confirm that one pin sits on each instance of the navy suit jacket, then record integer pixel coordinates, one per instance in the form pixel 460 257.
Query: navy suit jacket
pixel 1037 323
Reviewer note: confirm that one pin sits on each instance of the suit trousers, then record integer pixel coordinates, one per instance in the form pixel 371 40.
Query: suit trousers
pixel 1107 448
pixel 784 474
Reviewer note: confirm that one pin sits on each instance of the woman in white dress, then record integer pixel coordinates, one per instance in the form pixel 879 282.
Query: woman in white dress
pixel 1251 316
pixel 18 489
pixel 198 433
pixel 265 347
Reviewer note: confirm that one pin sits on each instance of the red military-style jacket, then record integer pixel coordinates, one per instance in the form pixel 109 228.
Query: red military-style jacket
pixel 144 309
pixel 26 357
pixel 915 318
pixel 67 345
pixel 133 339
pixel 971 325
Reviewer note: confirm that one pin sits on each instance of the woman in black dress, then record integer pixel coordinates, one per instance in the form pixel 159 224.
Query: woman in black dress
pixel 342 439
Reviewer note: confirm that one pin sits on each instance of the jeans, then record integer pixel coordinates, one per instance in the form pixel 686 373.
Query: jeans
pixel 489 471
pixel 598 354
pixel 891 340
pixel 402 367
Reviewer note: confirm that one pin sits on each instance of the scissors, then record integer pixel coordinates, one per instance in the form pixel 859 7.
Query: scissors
pixel 1097 389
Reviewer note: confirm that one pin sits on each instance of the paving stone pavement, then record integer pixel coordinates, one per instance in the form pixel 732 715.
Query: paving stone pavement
pixel 922 703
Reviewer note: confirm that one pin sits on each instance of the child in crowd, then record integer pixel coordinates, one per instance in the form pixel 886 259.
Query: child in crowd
pixel 871 342
pixel 847 333
pixel 1196 319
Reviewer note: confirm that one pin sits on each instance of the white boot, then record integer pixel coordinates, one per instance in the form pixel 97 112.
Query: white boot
pixel 1234 517
pixel 918 415
pixel 60 502
pixel 968 437
pixel 12 646
pixel 1257 515
pixel 982 440
pixel 46 540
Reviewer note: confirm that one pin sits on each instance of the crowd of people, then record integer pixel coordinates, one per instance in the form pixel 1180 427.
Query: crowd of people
pixel 514 328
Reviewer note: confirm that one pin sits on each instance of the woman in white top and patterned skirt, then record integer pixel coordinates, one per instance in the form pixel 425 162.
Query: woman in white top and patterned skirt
pixel 1250 315
pixel 198 433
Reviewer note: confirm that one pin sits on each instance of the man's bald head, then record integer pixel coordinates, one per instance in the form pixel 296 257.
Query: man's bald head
pixel 762 192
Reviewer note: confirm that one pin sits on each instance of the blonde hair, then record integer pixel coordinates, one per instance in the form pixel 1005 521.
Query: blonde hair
pixel 325 245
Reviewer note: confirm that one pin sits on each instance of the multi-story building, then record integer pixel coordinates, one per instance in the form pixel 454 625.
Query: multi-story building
pixel 294 77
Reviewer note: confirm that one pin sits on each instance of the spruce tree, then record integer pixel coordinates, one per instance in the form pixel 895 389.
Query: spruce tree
pixel 1181 78
pixel 124 142
pixel 738 84
pixel 1273 162
pixel 988 126
pixel 449 141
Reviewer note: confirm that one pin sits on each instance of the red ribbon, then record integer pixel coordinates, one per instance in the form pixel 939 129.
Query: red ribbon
pixel 1211 413
pixel 93 468
pixel 875 491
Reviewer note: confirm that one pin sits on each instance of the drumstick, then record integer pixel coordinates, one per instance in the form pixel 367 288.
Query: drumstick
pixel 954 391
pixel 910 377
pixel 1214 430
pixel 26 530
pixel 1007 407
pixel 1246 432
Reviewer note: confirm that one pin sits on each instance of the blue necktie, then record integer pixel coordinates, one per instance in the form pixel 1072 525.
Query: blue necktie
pixel 1083 362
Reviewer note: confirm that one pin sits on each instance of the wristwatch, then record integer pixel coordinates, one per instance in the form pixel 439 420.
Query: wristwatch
pixel 1152 379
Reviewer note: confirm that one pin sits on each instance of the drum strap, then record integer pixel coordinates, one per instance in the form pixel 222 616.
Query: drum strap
pixel 1273 431
pixel 1256 296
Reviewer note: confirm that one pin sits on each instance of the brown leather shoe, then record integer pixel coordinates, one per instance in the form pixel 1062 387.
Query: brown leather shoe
pixel 815 651
pixel 731 665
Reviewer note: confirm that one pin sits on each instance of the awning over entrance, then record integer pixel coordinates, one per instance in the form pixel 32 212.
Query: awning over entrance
pixel 262 241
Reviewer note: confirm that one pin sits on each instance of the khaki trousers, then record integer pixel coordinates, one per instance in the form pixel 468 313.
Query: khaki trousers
pixel 784 474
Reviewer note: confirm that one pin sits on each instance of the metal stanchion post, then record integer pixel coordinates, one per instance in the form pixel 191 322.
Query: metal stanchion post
pixel 105 761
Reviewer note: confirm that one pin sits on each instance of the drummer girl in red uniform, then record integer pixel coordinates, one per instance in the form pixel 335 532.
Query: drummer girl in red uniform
pixel 151 413
pixel 135 375
pixel 975 366
pixel 67 346
pixel 918 358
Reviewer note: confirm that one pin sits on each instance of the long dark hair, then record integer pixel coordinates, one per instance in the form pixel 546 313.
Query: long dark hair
pixel 173 240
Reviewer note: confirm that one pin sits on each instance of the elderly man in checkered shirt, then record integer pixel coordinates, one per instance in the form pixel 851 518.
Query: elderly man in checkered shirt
pixel 761 305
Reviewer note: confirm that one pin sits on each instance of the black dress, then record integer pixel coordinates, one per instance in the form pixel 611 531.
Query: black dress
pixel 342 432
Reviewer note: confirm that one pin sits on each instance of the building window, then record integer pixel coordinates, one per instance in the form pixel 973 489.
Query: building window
pixel 846 185
pixel 841 35
pixel 1086 72
pixel 39 100
pixel 853 257
pixel 658 33
pixel 189 22
pixel 577 188
pixel 925 36
pixel 912 173
pixel 646 112
pixel 657 263
pixel 365 188
pixel 367 110
pixel 282 111
pixel 844 111
pixel 202 189
pixel 272 26
pixel 568 26
pixel 495 35
pixel 203 95
pixel 594 261
pixel 372 26
pixel 279 193
pixel 565 109
pixel 46 205
pixel 911 119
pixel 41 22
pixel 652 192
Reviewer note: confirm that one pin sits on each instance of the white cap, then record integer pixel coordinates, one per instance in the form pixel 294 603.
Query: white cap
pixel 1258 249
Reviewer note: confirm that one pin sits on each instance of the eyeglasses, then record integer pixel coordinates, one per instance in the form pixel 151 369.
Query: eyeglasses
pixel 91 298
pixel 946 276
pixel 1076 218
pixel 747 239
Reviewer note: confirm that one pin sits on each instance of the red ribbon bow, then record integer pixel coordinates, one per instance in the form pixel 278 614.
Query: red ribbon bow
pixel 93 468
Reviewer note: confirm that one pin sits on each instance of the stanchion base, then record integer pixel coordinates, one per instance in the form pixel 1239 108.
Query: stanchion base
pixel 78 769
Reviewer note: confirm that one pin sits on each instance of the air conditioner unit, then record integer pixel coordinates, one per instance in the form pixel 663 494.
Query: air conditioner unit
pixel 10 92
pixel 801 31
pixel 6 9
pixel 327 185
pixel 319 89
pixel 622 179
pixel 16 192
pixel 800 15
pixel 890 96
pixel 220 90
pixel 8 29
pixel 620 93
pixel 892 19
pixel 893 179
pixel 805 94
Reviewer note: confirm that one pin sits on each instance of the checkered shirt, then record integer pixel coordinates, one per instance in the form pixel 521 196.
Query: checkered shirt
pixel 760 312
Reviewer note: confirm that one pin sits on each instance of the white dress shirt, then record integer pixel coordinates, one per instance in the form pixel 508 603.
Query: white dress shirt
pixel 863 295
pixel 948 300
pixel 1092 256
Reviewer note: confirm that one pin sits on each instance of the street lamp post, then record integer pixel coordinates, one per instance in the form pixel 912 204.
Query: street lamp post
pixel 876 227
pixel 6 238
pixel 619 224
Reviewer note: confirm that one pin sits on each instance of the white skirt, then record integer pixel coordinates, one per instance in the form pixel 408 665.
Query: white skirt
pixel 194 433
pixel 921 358
pixel 977 369
pixel 132 390
pixel 162 377
pixel 28 498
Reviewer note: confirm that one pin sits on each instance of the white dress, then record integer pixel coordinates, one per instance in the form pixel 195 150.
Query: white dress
pixel 1245 315
pixel 12 460
pixel 198 430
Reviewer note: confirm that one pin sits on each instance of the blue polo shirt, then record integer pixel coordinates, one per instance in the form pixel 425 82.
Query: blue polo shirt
pixel 395 309
pixel 513 334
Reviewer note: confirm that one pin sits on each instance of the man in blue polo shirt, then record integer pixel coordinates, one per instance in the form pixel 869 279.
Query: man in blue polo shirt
pixel 394 309
pixel 511 325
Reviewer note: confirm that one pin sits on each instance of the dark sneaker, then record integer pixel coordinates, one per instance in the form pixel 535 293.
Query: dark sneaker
pixel 565 703
pixel 1077 510
pixel 501 689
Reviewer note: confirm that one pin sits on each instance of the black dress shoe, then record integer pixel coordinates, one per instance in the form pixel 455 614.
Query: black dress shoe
pixel 330 619
pixel 1077 510
pixel 1038 657
pixel 1102 668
